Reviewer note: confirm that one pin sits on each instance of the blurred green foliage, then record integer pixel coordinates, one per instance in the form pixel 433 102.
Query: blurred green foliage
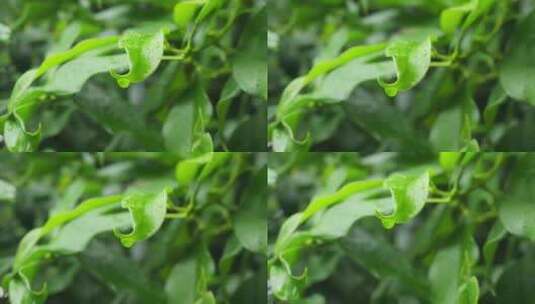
pixel 445 75
pixel 207 244
pixel 186 85
pixel 387 228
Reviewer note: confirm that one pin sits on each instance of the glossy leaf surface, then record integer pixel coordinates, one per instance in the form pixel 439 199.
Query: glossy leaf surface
pixel 148 213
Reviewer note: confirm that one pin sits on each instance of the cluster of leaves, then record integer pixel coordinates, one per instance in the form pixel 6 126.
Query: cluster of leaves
pixel 399 75
pixel 186 230
pixel 388 228
pixel 190 75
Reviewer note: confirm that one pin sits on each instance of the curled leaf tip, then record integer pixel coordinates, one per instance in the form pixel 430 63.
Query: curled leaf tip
pixel 123 83
pixel 412 58
pixel 148 212
pixel 145 51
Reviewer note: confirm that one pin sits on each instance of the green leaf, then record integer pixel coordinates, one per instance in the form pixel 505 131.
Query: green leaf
pixel 181 285
pixel 337 221
pixel 25 81
pixel 20 91
pixel 232 249
pixel 409 194
pixel 444 276
pixel 482 7
pixel 214 162
pixel 516 208
pixel 339 84
pixel 324 201
pixel 148 212
pixel 67 38
pixel 79 49
pixel 29 241
pixel 290 93
pixel 68 79
pixel 206 268
pixel 347 56
pixel 412 59
pixel 285 286
pixel 71 77
pixel 21 86
pixel 7 191
pixel 19 140
pixel 469 292
pixel 449 160
pixel 185 11
pixel 76 235
pixel 280 141
pixel 228 96
pixel 26 247
pixel 517 72
pixel 517 215
pixel 20 294
pixel 187 170
pixel 184 129
pixel 289 226
pixel 178 128
pixel 450 273
pixel 348 70
pixel 206 298
pixel 209 7
pixel 145 52
pixel 72 238
pixel 451 18
pixel 250 223
pixel 496 234
pixel 288 240
pixel 496 99
pixel 217 32
pixel 249 64
pixel 5 33
pixel 446 131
